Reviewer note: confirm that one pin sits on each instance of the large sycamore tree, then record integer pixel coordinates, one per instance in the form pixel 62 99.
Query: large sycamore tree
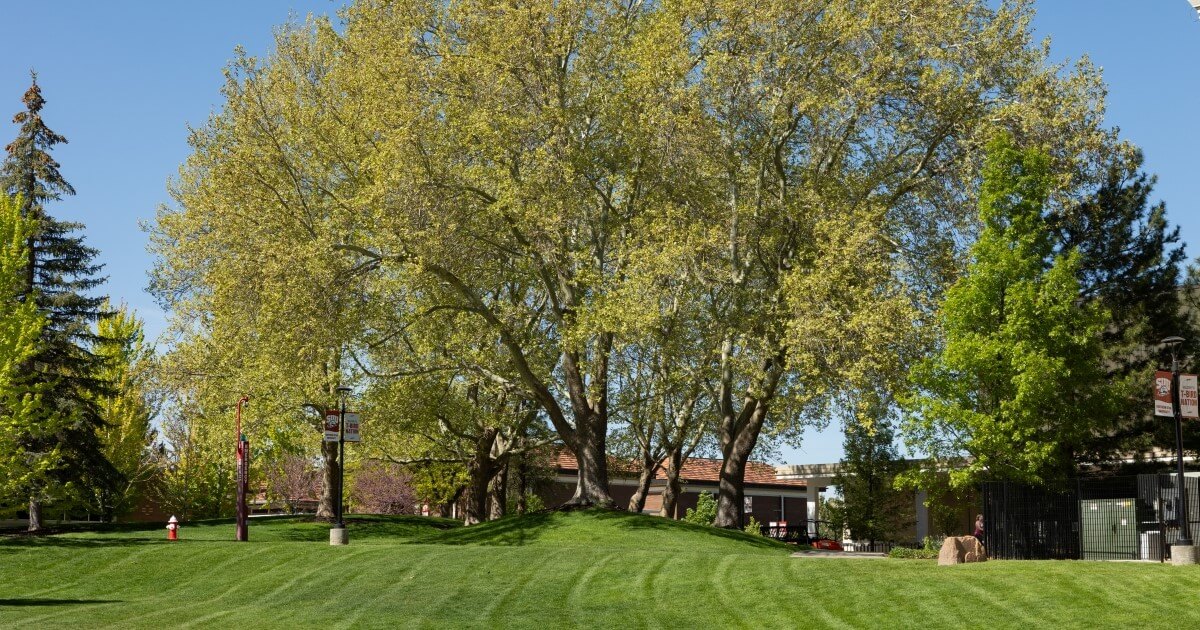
pixel 260 303
pixel 832 158
pixel 536 183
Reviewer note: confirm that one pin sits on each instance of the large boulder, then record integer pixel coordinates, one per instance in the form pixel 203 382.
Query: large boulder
pixel 960 549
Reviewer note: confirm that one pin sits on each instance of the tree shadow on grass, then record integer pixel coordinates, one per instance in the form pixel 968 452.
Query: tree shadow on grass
pixel 43 601
pixel 371 527
pixel 506 532
pixel 626 520
pixel 12 544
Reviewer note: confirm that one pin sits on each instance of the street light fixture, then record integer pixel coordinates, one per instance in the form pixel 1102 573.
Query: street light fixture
pixel 1185 530
pixel 1195 5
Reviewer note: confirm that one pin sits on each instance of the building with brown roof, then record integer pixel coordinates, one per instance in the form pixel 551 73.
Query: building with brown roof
pixel 769 497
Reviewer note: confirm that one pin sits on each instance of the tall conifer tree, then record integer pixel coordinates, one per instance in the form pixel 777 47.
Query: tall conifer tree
pixel 60 271
pixel 1130 265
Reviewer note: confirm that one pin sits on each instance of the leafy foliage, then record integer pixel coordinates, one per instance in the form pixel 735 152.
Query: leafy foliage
pixel 549 204
pixel 705 511
pixel 1019 381
pixel 381 488
pixel 292 479
pixel 21 395
pixel 128 438
pixel 1130 266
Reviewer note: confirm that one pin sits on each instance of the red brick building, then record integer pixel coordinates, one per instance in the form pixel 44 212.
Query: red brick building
pixel 768 497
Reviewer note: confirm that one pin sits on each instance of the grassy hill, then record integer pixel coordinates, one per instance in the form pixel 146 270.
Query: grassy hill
pixel 590 568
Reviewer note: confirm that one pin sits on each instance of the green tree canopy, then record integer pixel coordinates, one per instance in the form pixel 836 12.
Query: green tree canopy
pixel 1019 381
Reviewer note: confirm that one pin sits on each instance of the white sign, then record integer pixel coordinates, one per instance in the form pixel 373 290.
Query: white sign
pixel 331 426
pixel 352 427
pixel 1189 405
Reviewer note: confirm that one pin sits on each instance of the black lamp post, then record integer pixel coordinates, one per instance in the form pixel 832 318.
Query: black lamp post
pixel 1185 530
pixel 242 532
pixel 342 393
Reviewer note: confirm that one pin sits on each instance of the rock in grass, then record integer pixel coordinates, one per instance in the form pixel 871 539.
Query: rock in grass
pixel 960 549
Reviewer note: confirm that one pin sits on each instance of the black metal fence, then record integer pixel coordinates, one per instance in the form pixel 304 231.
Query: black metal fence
pixel 798 531
pixel 1117 518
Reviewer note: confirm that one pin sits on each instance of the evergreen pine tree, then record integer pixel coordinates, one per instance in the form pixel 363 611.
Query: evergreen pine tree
pixel 60 272
pixel 1130 265
pixel 873 509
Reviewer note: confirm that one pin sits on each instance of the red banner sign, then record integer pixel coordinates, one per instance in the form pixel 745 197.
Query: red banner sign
pixel 1162 394
pixel 331 425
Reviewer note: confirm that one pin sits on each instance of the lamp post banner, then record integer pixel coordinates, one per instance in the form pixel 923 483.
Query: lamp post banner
pixel 352 427
pixel 1162 394
pixel 331 426
pixel 1189 404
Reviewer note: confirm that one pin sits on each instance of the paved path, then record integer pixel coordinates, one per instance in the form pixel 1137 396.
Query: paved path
pixel 839 554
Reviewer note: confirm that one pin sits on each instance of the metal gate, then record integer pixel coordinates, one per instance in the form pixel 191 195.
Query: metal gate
pixel 1116 518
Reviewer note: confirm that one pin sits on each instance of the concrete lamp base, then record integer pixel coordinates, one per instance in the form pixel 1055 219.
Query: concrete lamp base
pixel 338 536
pixel 1183 554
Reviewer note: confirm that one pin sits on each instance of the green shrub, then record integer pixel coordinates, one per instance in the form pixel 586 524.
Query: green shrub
pixel 754 527
pixel 913 554
pixel 705 511
pixel 533 503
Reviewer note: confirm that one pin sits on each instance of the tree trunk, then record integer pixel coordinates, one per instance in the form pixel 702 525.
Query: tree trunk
pixel 498 495
pixel 35 514
pixel 650 467
pixel 592 487
pixel 737 450
pixel 326 508
pixel 480 471
pixel 672 489
pixel 475 499
pixel 522 486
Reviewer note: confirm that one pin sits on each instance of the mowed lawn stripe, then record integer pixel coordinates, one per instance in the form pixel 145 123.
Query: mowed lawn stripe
pixel 224 594
pixel 288 590
pixel 557 570
pixel 533 565
pixel 371 608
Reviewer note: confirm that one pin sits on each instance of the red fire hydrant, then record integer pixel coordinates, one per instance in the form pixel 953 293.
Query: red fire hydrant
pixel 173 529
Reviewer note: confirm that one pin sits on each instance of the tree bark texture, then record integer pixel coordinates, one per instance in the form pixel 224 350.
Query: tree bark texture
pixel 672 489
pixel 522 486
pixel 35 514
pixel 480 470
pixel 498 495
pixel 650 467
pixel 737 447
pixel 326 510
pixel 589 447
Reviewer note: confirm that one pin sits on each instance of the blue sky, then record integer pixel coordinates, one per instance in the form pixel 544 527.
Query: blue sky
pixel 123 80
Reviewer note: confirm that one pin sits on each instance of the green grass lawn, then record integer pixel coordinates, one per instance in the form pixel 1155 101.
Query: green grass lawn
pixel 548 571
